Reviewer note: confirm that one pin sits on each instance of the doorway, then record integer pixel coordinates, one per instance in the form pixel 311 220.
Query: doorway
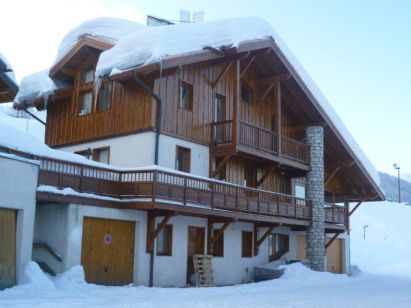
pixel 195 246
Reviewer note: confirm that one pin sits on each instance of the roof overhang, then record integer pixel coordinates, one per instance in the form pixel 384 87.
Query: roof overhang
pixel 63 68
pixel 8 88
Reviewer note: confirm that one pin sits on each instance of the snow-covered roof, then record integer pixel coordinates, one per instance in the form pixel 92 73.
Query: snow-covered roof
pixel 5 64
pixel 107 28
pixel 138 46
pixel 8 77
pixel 38 85
pixel 164 41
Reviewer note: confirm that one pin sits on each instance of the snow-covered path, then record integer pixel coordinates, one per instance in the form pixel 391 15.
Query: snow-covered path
pixel 299 287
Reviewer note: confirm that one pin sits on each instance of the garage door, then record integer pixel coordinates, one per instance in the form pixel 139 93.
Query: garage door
pixel 108 251
pixel 334 256
pixel 7 248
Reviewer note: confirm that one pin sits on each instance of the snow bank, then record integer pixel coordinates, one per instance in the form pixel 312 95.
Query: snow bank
pixel 108 28
pixel 33 275
pixel 38 85
pixel 386 248
pixel 71 279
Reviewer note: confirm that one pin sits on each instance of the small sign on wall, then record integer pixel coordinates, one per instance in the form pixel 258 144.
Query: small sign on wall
pixel 107 239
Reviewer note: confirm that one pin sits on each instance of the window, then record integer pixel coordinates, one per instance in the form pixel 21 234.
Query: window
pixel 102 155
pixel 247 244
pixel 218 247
pixel 186 96
pixel 86 102
pixel 250 176
pixel 183 159
pixel 283 184
pixel 219 108
pixel 88 75
pixel 104 97
pixel 299 189
pixel 165 241
pixel 278 246
pixel 246 94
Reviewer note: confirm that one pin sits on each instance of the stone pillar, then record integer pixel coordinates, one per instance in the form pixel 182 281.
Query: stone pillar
pixel 314 191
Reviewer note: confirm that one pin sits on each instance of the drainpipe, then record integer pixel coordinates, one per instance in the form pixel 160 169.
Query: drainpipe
pixel 158 113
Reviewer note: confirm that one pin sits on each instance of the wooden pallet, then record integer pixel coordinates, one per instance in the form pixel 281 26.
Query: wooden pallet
pixel 203 270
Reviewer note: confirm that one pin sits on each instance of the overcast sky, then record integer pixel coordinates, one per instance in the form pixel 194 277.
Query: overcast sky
pixel 358 52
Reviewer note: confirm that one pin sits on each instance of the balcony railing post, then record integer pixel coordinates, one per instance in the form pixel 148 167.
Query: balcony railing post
pixel 236 199
pixel 258 203
pixel 185 191
pixel 81 177
pixel 154 185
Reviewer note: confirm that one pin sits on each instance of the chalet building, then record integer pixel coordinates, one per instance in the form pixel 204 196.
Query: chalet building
pixel 8 85
pixel 213 140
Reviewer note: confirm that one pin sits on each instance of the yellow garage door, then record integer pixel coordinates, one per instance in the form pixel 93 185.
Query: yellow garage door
pixel 7 248
pixel 108 251
pixel 334 256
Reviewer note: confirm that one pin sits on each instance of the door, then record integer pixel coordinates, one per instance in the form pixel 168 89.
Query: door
pixel 108 251
pixel 7 248
pixel 301 247
pixel 334 256
pixel 195 246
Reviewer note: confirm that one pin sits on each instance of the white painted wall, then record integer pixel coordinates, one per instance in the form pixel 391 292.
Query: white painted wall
pixel 135 150
pixel 18 182
pixel 138 150
pixel 199 154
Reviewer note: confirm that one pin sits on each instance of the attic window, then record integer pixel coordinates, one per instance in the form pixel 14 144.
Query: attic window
pixel 86 102
pixel 246 93
pixel 104 97
pixel 186 96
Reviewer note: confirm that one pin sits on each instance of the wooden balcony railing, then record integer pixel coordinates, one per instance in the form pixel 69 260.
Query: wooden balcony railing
pixel 222 132
pixel 165 186
pixel 334 214
pixel 295 150
pixel 261 139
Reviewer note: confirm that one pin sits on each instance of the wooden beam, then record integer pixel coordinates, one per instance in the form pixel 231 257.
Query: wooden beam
pixel 355 208
pixel 247 66
pixel 265 175
pixel 277 103
pixel 273 78
pixel 213 239
pixel 236 105
pixel 268 89
pixel 152 231
pixel 339 163
pixel 222 74
pixel 333 173
pixel 332 240
pixel 259 241
pixel 220 165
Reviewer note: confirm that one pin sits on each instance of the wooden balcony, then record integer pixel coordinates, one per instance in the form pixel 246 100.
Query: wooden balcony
pixel 259 142
pixel 177 189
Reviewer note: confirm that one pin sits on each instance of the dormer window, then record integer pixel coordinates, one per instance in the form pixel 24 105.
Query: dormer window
pixel 104 97
pixel 86 91
pixel 87 102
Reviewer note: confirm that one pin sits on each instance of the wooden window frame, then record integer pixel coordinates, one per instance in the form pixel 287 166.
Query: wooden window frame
pixel 275 254
pixel 169 241
pixel 109 86
pixel 187 163
pixel 97 150
pixel 223 108
pixel 190 86
pixel 84 87
pixel 246 252
pixel 218 246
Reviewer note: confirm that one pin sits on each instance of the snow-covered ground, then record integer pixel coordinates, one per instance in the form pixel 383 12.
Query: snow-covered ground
pixel 384 279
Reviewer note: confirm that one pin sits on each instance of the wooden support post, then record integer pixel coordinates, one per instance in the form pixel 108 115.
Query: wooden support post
pixel 265 175
pixel 236 104
pixel 211 238
pixel 220 165
pixel 347 213
pixel 222 74
pixel 257 241
pixel 355 208
pixel 247 66
pixel 279 116
pixel 268 89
